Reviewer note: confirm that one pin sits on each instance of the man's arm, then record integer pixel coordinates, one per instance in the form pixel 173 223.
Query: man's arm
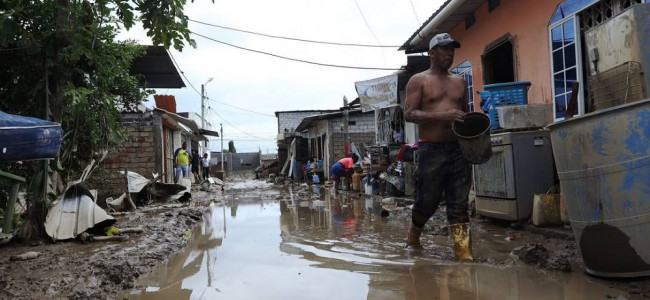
pixel 412 112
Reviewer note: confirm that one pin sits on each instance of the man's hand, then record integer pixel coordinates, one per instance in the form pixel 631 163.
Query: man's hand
pixel 455 115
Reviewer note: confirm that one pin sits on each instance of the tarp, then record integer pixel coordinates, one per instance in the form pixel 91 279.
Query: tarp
pixel 377 93
pixel 136 182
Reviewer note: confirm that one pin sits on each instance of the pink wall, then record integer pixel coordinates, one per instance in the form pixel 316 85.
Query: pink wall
pixel 527 21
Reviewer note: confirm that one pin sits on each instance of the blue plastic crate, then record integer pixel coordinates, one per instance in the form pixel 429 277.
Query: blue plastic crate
pixel 503 94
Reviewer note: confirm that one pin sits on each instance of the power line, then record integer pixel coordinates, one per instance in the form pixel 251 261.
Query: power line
pixel 366 21
pixel 199 93
pixel 292 39
pixel 233 126
pixel 294 59
pixel 369 28
pixel 414 12
pixel 183 73
pixel 248 110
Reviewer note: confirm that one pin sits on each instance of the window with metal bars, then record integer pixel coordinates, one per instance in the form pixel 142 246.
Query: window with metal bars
pixel 604 10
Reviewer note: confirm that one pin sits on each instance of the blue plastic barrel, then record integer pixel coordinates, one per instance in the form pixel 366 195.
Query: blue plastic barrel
pixel 603 163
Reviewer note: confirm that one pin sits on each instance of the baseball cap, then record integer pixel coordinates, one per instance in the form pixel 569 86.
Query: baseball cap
pixel 443 39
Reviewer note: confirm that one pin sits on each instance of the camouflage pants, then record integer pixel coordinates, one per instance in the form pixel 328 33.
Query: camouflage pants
pixel 441 170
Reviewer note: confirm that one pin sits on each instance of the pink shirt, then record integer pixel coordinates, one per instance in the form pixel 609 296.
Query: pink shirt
pixel 347 162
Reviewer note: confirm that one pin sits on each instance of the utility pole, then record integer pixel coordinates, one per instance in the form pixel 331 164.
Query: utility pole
pixel 221 134
pixel 346 122
pixel 205 143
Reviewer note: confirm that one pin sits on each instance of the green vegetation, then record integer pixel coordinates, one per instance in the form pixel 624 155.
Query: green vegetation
pixel 59 61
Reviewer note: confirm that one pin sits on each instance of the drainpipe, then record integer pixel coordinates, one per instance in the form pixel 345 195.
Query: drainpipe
pixel 437 20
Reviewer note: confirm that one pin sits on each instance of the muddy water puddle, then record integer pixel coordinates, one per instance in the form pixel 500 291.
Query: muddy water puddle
pixel 316 245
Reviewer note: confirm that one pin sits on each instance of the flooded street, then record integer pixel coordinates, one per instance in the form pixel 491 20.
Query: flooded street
pixel 279 242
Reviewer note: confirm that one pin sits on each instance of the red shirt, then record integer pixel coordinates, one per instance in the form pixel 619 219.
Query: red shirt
pixel 347 162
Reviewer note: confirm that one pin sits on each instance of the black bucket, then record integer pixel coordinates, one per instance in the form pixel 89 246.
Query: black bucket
pixel 474 137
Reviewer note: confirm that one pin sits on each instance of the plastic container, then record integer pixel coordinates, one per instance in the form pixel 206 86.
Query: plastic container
pixel 525 116
pixel 356 181
pixel 503 94
pixel 368 188
pixel 474 137
pixel 546 210
pixel 603 163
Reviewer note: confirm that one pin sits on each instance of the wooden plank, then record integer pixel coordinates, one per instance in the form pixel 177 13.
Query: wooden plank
pixel 572 106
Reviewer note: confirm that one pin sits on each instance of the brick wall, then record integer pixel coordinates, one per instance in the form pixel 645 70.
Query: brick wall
pixel 137 154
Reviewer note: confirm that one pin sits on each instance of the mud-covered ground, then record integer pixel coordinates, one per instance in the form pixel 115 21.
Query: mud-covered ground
pixel 104 270
pixel 101 269
pixel 549 248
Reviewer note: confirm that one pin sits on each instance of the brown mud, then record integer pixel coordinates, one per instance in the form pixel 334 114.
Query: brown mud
pixel 105 270
pixel 102 269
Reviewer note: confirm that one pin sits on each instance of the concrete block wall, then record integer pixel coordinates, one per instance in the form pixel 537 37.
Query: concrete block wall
pixel 235 161
pixel 137 154
pixel 291 119
pixel 359 139
pixel 365 122
pixel 362 123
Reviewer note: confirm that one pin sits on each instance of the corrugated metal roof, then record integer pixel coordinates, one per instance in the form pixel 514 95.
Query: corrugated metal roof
pixel 300 111
pixel 272 156
pixel 75 213
pixel 456 17
pixel 157 69
pixel 311 119
pixel 198 133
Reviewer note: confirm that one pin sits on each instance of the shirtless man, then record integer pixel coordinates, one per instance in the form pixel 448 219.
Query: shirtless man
pixel 435 99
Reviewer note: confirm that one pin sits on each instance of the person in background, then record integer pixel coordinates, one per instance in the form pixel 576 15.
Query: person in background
pixel 196 161
pixel 343 167
pixel 435 99
pixel 313 163
pixel 205 163
pixel 182 159
pixel 398 134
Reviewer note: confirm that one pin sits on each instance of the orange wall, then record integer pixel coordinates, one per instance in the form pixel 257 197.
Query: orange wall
pixel 525 20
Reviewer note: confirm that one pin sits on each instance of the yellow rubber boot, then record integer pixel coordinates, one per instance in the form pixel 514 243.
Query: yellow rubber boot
pixel 462 241
pixel 414 236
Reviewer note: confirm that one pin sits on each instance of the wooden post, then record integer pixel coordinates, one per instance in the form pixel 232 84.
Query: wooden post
pixel 13 194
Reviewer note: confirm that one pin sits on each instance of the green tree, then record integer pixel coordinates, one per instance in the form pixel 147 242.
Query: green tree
pixel 59 61
pixel 231 147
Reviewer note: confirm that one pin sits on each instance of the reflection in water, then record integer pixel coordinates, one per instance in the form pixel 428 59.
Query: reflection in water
pixel 328 246
pixel 195 265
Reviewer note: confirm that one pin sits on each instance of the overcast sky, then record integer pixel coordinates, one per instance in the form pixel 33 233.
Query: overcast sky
pixel 248 88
